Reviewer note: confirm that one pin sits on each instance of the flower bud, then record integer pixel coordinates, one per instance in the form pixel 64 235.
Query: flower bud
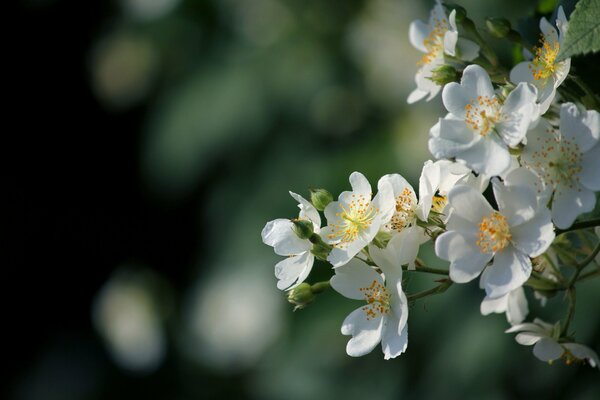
pixel 498 27
pixel 303 228
pixel 444 74
pixel 320 198
pixel 301 296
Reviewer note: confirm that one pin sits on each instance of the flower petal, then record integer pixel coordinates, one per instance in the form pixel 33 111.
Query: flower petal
pixel 568 203
pixel 293 270
pixel 366 333
pixel 392 343
pixel 469 204
pixel 494 305
pixel 466 259
pixel 534 236
pixel 583 353
pixel 418 31
pixel 475 82
pixel 349 278
pixel 360 184
pixel 509 270
pixel 547 349
pixel 518 111
pixel 517 307
pixel 451 136
pixel 279 234
pixel 488 156
pixel 466 49
pixel 583 127
pixel 590 164
pixel 307 210
pixel 529 338
pixel 517 203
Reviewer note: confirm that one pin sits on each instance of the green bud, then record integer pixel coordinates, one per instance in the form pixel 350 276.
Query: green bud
pixel 303 228
pixel 444 74
pixel 320 198
pixel 321 250
pixel 499 27
pixel 301 296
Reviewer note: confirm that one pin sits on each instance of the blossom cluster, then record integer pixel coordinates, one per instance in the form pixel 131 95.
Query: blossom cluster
pixel 516 142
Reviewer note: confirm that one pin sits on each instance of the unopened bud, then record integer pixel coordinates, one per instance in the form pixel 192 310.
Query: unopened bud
pixel 320 198
pixel 444 74
pixel 303 228
pixel 301 296
pixel 499 27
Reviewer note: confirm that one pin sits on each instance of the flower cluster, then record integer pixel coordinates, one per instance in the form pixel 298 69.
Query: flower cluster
pixel 541 155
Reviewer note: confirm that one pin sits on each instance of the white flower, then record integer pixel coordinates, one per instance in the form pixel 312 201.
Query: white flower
pixel 435 38
pixel 479 128
pixel 384 317
pixel 567 161
pixel 547 347
pixel 476 234
pixel 279 234
pixel 514 304
pixel 544 72
pixel 437 178
pixel 354 220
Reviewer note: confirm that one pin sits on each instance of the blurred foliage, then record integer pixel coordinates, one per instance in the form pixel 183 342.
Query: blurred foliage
pixel 237 102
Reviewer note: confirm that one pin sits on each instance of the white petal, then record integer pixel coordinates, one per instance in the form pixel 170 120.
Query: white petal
pixel 469 204
pixel 279 234
pixel 489 156
pixel 528 178
pixel 509 270
pixel 547 28
pixel 392 343
pixel 349 278
pixel 418 31
pixel 583 353
pixel 529 338
pixel 307 210
pixel 360 184
pixel 522 73
pixel 527 326
pixel 366 333
pixel 517 307
pixel 569 203
pixel 451 136
pixel 397 182
pixel 416 95
pixel 466 259
pixel 590 164
pixel 494 305
pixel 474 82
pixel 583 127
pixel 547 349
pixel 429 182
pixel 462 225
pixel 517 203
pixel 466 49
pixel 450 39
pixel 518 111
pixel 535 236
pixel 292 271
pixel 341 255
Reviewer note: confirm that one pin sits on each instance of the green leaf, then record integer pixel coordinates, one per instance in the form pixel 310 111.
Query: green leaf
pixel 583 35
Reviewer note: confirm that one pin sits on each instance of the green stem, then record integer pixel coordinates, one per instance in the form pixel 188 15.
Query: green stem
pixel 581 266
pixel 441 288
pixel 572 300
pixel 580 225
pixel 320 287
pixel 589 274
pixel 420 266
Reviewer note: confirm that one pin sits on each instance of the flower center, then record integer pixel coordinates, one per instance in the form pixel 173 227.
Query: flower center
pixel 494 233
pixel 543 65
pixel 377 298
pixel 558 161
pixel 482 114
pixel 438 203
pixel 434 43
pixel 355 217
pixel 404 212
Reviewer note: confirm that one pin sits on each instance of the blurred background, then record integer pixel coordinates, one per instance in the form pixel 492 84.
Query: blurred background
pixel 159 136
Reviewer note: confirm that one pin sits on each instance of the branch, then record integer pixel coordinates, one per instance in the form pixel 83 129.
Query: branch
pixel 580 225
pixel 441 288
